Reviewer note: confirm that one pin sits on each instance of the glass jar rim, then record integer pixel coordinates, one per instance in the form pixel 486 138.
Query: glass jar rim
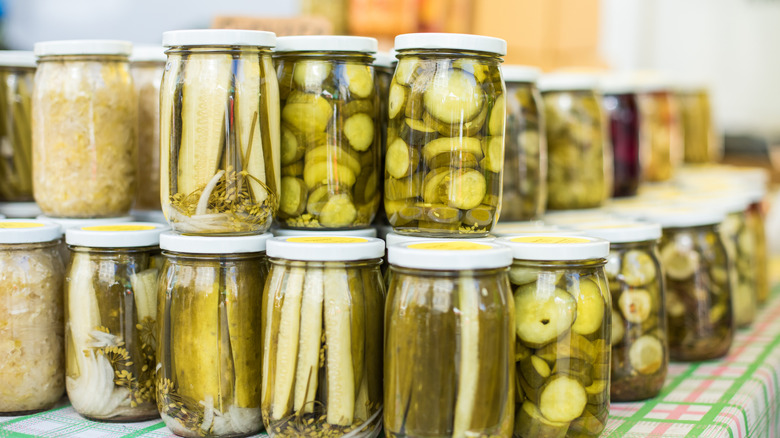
pixel 326 43
pixel 452 41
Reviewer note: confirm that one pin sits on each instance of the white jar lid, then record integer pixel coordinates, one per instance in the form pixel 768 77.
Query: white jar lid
pixel 328 43
pixel 366 232
pixel 121 235
pixel 455 41
pixel 622 231
pixel 83 47
pixel 618 83
pixel 568 82
pixel 338 248
pixel 554 247
pixel 449 255
pixel 172 241
pixel 573 217
pixel 218 37
pixel 520 73
pixel 504 229
pixel 17 58
pixel 27 210
pixel 28 231
pixel 680 217
pixel 148 53
pixel 385 59
pixel 67 223
pixel 393 238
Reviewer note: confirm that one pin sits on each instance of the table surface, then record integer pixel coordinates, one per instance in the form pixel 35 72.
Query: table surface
pixel 732 397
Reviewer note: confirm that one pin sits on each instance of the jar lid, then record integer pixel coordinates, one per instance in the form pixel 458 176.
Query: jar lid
pixel 218 37
pixel 19 209
pixel 568 82
pixel 455 41
pixel 503 229
pixel 520 73
pixel 622 231
pixel 83 47
pixel 554 247
pixel 618 83
pixel 573 217
pixel 28 231
pixel 120 235
pixel 172 241
pixel 385 59
pixel 449 255
pixel 680 217
pixel 148 53
pixel 67 223
pixel 17 58
pixel 328 43
pixel 366 232
pixel 393 238
pixel 326 248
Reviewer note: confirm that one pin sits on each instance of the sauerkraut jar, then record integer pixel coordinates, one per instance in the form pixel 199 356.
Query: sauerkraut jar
pixel 445 138
pixel 562 327
pixel 32 354
pixel 622 112
pixel 110 320
pixel 85 122
pixel 208 378
pixel 579 164
pixel 330 132
pixel 219 132
pixel 17 70
pixel 449 340
pixel 525 154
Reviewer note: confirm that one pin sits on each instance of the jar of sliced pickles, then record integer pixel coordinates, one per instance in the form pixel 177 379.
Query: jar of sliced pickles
pixel 579 159
pixel 445 142
pixel 32 353
pixel 384 65
pixel 640 351
pixel 17 70
pixel 562 327
pixel 449 340
pixel 700 141
pixel 209 345
pixel 110 320
pixel 84 129
pixel 525 154
pixel 219 132
pixel 322 337
pixel 622 113
pixel 330 132
pixel 661 135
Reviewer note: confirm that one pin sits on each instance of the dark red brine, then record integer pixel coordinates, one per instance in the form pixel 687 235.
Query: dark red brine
pixel 624 134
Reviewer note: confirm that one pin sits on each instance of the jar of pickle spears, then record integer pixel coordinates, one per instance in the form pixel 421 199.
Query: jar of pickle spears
pixel 110 320
pixel 84 129
pixel 330 132
pixel 449 340
pixel 622 113
pixel 322 337
pixel 17 71
pixel 640 350
pixel 525 154
pixel 661 130
pixel 209 345
pixel 562 326
pixel 219 132
pixel 579 159
pixel 445 142
pixel 700 142
pixel 32 353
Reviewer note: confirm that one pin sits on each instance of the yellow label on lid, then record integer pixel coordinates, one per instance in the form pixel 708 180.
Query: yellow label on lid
pixel 119 228
pixel 450 246
pixel 326 239
pixel 549 239
pixel 20 225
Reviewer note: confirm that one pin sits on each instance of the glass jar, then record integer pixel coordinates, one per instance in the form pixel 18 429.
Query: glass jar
pixel 384 65
pixel 32 354
pixel 323 305
pixel 17 71
pixel 640 349
pixel 525 154
pixel 661 134
pixel 147 64
pixel 219 152
pixel 449 340
pixel 445 141
pixel 622 112
pixel 209 345
pixel 78 223
pixel 701 144
pixel 562 307
pixel 579 159
pixel 110 320
pixel 330 132
pixel 756 220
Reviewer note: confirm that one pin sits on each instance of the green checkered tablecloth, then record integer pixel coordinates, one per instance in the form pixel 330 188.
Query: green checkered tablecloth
pixel 733 397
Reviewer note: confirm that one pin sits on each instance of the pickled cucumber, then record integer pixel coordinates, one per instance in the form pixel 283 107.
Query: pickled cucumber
pixel 454 96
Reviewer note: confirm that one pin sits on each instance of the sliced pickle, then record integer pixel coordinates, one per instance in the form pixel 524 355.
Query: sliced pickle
pixel 359 130
pixel 542 314
pixel 464 189
pixel 454 96
pixel 562 399
pixel 400 159
pixel 590 307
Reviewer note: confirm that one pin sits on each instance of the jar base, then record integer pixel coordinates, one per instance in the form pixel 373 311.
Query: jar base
pixel 23 413
pixel 125 418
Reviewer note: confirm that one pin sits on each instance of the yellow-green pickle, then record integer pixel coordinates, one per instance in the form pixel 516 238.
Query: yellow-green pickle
pixel 219 132
pixel 322 337
pixel 330 132
pixel 449 341
pixel 110 320
pixel 384 65
pixel 562 325
pixel 701 144
pixel 445 137
pixel 208 372
pixel 17 71
pixel 661 136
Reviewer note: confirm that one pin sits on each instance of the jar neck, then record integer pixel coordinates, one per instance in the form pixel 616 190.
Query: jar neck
pixel 106 251
pixel 213 257
pixel 451 273
pixel 644 244
pixel 368 263
pixel 29 246
pixel 562 264
pixel 448 53
pixel 84 58
pixel 208 50
pixel 365 58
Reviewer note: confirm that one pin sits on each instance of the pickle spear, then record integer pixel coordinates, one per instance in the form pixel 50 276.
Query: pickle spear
pixel 310 341
pixel 270 327
pixel 287 343
pixel 272 143
pixel 341 383
pixel 469 355
pixel 248 124
pixel 167 117
pixel 145 293
pixel 242 300
pixel 83 305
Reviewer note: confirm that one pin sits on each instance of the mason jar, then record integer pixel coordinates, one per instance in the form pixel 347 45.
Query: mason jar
pixel 322 337
pixel 330 132
pixel 661 135
pixel 219 132
pixel 445 141
pixel 525 154
pixel 562 322
pixel 449 340
pixel 84 129
pixel 579 158
pixel 640 350
pixel 384 65
pixel 700 140
pixel 17 71
pixel 621 106
pixel 209 344
pixel 32 352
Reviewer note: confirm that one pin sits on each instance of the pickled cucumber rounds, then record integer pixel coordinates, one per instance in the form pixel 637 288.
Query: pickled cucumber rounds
pixel 741 246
